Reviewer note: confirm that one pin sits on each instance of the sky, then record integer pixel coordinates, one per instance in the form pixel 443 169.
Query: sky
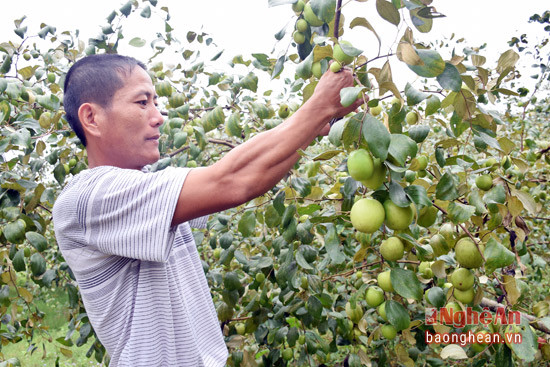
pixel 248 26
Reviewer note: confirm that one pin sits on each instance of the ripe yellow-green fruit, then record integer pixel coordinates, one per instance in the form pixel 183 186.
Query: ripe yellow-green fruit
pixel 72 162
pixel 411 118
pixel 427 216
pixel 367 215
pixel 462 279
pixel 317 69
pixel 335 67
pixel 51 77
pixel 376 110
pixel 354 314
pixel 398 218
pixel 66 168
pixel 310 16
pixel 299 37
pixel 374 296
pixel 240 328
pixel 301 25
pixel 439 245
pixel 392 249
pixel 339 54
pixel 27 57
pixel 45 120
pixel 490 162
pixel 360 165
pixel 484 182
pixel 298 6
pixel 422 162
pixel 191 164
pixel 217 253
pixel 467 254
pixel 388 331
pixel 466 296
pixel 378 175
pixel 382 311
pixel 384 281
pixel 425 269
pixel 164 89
pixel 447 231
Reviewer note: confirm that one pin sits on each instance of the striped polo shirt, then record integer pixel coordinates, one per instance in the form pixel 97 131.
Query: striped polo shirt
pixel 141 280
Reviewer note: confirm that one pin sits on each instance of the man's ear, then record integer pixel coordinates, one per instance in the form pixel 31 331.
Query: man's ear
pixel 88 114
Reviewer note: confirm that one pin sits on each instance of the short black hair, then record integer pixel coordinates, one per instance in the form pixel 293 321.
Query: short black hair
pixel 94 78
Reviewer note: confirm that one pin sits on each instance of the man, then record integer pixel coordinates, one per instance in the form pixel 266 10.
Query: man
pixel 126 234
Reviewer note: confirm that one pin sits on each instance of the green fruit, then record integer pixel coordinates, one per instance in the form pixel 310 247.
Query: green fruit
pixel 447 231
pixel 439 245
pixel 360 165
pixel 422 162
pixel 374 296
pixel 317 69
pixel 484 182
pixel 298 6
pixel 51 77
pixel 384 281
pixel 466 296
pixel 462 279
pixel 375 111
pixel 72 162
pixel 339 54
pixel 179 139
pixel 45 120
pixel 176 100
pixel 381 310
pixel 398 218
pixel 354 314
pixel 467 254
pixel 164 89
pixel 283 111
pixel 490 162
pixel 367 215
pixel 335 67
pixel 378 175
pixel 310 16
pixel 506 162
pixel 66 168
pixel 287 354
pixel 411 118
pixel 216 253
pixel 225 312
pixel 479 347
pixel 389 331
pixel 301 25
pixel 427 216
pixel 299 37
pixel 410 176
pixel 260 277
pixel 392 249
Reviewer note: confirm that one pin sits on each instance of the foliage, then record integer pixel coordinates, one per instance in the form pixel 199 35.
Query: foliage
pixel 288 272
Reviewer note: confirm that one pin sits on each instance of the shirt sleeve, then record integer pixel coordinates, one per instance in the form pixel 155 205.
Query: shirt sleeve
pixel 199 223
pixel 129 213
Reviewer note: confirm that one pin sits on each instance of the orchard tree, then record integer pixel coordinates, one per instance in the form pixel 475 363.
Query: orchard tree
pixel 430 196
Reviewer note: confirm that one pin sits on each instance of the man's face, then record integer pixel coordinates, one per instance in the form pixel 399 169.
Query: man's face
pixel 130 126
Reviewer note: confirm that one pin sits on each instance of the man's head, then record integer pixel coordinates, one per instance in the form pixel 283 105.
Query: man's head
pixel 94 79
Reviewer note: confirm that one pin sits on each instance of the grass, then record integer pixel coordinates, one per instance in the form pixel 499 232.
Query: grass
pixel 53 304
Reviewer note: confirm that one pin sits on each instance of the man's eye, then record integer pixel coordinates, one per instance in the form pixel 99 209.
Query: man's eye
pixel 143 103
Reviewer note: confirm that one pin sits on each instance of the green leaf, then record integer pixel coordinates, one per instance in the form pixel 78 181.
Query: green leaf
pixel 398 195
pixel 497 256
pixel 38 264
pixel 324 9
pixel 146 12
pixel 349 95
pixel 418 195
pixel 527 349
pixel 137 42
pixel 414 96
pixel 333 246
pixel 446 188
pixel 279 66
pixel 19 261
pixel 126 9
pixel 419 133
pixel 433 104
pixel 302 186
pixel 388 12
pixel 247 223
pixel 37 241
pixel 460 213
pixel 302 261
pixel 314 307
pixel 272 217
pixel 352 130
pixel 406 284
pixel 433 64
pixel 327 155
pixel 272 3
pixel 450 78
pixel 401 147
pixel 397 315
pixel 377 136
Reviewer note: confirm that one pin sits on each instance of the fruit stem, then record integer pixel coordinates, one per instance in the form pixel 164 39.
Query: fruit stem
pixel 337 19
